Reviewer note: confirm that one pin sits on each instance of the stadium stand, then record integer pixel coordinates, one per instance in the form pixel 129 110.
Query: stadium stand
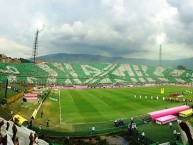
pixel 91 74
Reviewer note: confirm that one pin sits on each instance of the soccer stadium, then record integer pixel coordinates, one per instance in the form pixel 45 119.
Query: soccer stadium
pixel 99 72
pixel 68 100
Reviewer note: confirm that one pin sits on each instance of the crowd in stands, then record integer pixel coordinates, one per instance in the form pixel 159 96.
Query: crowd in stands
pixel 86 74
pixel 11 134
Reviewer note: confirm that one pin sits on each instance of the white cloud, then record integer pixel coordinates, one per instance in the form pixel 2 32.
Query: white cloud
pixel 109 27
pixel 116 7
pixel 81 32
pixel 14 49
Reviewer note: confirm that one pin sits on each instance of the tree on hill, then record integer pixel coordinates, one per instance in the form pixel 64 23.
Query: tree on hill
pixel 181 67
pixel 24 60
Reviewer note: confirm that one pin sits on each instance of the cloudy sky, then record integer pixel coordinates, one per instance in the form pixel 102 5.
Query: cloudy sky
pixel 127 28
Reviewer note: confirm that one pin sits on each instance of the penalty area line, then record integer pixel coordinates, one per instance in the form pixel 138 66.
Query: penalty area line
pixel 71 97
pixel 98 99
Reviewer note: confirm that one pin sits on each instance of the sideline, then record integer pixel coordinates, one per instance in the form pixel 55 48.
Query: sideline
pixel 60 106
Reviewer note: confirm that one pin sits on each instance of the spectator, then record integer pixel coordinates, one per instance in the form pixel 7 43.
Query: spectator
pixel 132 120
pixel 31 138
pixel 11 113
pixel 174 133
pixel 30 124
pixel 115 122
pixel 16 142
pixel 92 130
pixel 7 127
pixel 186 129
pixel 42 113
pixel 129 128
pixel 47 122
pixel 14 129
pixel 4 140
pixel 170 125
pixel 142 136
pixel 177 137
pixel 66 140
pixel 90 139
pixel 78 142
pixel 40 129
pixel 119 122
pixel 35 138
pixel 133 127
pixel 1 124
pixel 1 138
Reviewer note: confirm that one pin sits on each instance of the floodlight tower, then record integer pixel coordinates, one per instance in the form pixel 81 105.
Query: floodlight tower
pixel 6 86
pixel 35 48
pixel 160 39
pixel 34 53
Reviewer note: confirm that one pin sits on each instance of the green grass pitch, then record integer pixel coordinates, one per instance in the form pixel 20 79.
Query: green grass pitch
pixel 73 112
pixel 77 110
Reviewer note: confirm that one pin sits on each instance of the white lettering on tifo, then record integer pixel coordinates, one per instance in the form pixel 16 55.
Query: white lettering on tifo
pixel 137 71
pixel 31 80
pixel 119 71
pixel 89 70
pixel 122 70
pixel 70 70
pixel 12 78
pixel 68 82
pixel 101 74
pixel 159 71
pixel 10 69
pixel 52 74
pixel 189 74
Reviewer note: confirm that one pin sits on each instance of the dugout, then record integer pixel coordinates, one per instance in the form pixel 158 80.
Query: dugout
pixel 19 120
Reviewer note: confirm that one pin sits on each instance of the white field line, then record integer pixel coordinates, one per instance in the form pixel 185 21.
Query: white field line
pixel 60 107
pixel 98 122
pixel 71 97
pixel 98 99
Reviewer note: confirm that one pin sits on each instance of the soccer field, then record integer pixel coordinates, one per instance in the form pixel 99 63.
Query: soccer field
pixel 80 109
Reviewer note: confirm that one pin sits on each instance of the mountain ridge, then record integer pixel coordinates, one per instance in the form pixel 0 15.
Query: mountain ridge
pixel 89 58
